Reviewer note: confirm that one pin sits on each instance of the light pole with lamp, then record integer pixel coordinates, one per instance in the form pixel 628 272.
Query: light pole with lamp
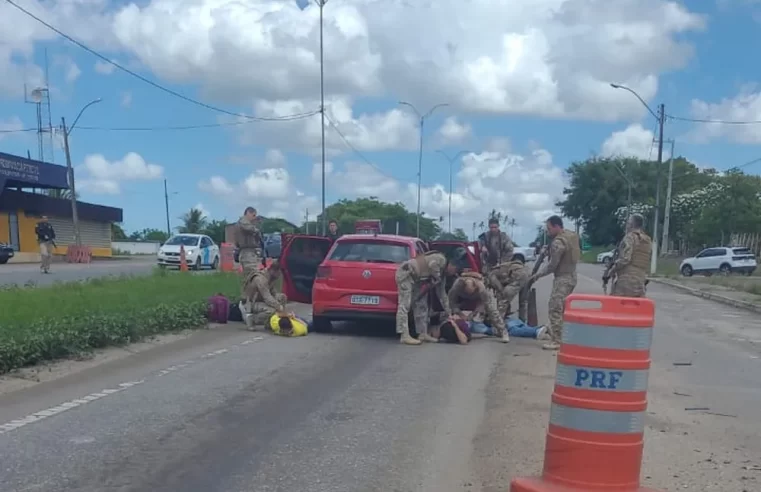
pixel 451 163
pixel 70 169
pixel 420 153
pixel 661 117
pixel 321 4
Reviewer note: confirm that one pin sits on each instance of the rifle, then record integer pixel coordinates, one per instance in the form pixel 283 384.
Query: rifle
pixel 606 273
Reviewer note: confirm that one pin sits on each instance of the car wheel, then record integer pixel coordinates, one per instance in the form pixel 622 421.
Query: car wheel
pixel 606 261
pixel 687 271
pixel 321 325
pixel 725 269
pixel 215 265
pixel 197 265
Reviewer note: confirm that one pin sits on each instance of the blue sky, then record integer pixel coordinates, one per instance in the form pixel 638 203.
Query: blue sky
pixel 715 70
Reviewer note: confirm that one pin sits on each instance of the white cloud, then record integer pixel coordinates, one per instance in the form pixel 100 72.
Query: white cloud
pixel 126 99
pixel 745 106
pixel 12 124
pixel 71 71
pixel 104 68
pixel 453 132
pixel 633 141
pixel 274 158
pixel 204 211
pixel 317 170
pixel 99 175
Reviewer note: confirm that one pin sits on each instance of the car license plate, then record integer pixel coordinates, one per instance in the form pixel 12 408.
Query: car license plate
pixel 365 300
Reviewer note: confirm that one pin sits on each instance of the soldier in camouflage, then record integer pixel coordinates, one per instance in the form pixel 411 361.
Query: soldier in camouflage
pixel 470 286
pixel 630 268
pixel 496 247
pixel 248 239
pixel 412 276
pixel 507 279
pixel 564 254
pixel 262 297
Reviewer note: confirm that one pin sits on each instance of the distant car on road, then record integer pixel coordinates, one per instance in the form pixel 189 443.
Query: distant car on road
pixel 200 251
pixel 6 253
pixel 353 279
pixel 606 257
pixel 724 260
pixel 523 254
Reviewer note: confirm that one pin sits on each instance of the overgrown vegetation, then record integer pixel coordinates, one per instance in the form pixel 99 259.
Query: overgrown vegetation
pixel 65 320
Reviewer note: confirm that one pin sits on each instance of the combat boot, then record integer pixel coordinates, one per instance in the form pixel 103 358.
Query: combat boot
pixel 551 346
pixel 406 339
pixel 505 337
pixel 425 337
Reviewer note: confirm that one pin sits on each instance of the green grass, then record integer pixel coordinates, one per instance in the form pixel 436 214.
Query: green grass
pixel 64 320
pixel 591 255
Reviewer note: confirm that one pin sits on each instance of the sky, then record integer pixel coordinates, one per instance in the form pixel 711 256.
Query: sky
pixel 525 86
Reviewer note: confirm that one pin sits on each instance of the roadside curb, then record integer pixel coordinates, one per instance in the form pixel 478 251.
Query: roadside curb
pixel 749 306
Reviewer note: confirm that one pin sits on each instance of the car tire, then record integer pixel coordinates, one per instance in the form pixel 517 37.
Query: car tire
pixel 321 324
pixel 197 264
pixel 687 271
pixel 725 269
pixel 215 265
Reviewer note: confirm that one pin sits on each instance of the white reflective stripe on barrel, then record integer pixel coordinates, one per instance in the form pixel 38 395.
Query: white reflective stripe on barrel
pixel 582 419
pixel 600 379
pixel 607 337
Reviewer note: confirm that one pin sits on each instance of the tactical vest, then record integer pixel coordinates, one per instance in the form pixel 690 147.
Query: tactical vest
pixel 572 252
pixel 244 240
pixel 642 250
pixel 421 266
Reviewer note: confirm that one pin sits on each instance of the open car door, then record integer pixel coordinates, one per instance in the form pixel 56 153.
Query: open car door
pixel 300 257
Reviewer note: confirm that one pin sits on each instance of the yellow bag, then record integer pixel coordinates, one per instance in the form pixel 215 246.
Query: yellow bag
pixel 299 327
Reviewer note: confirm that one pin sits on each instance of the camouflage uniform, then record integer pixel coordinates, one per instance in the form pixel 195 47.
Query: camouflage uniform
pixel 507 279
pixel 630 269
pixel 264 301
pixel 499 249
pixel 485 298
pixel 411 276
pixel 564 255
pixel 248 239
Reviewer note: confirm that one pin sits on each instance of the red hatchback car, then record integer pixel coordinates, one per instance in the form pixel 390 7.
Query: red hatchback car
pixel 353 278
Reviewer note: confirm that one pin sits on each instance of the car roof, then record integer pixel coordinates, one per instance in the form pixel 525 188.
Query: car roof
pixel 391 238
pixel 190 234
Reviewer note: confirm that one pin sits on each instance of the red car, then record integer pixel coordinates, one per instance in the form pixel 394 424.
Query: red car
pixel 353 278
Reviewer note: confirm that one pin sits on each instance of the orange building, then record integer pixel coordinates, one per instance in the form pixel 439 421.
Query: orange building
pixel 22 203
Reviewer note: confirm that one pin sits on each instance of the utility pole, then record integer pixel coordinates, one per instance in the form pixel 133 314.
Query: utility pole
pixel 166 205
pixel 420 155
pixel 72 186
pixel 654 256
pixel 667 213
pixel 306 222
pixel 321 4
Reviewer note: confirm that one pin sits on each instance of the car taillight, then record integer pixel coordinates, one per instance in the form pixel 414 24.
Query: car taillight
pixel 323 272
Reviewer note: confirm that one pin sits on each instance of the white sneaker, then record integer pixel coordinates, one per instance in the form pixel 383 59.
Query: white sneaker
pixel 541 333
pixel 505 337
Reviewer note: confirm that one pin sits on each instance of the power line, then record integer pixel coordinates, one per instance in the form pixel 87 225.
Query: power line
pixel 137 75
pixel 19 130
pixel 718 122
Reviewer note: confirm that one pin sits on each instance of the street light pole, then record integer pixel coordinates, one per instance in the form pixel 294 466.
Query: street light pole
pixel 70 170
pixel 422 117
pixel 321 4
pixel 451 190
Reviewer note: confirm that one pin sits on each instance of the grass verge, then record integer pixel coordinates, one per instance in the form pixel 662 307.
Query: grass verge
pixel 590 256
pixel 71 319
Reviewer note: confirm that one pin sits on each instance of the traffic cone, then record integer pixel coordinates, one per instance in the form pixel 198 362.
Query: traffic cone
pixel 183 260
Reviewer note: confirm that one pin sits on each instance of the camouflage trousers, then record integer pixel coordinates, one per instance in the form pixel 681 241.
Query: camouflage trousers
pixel 493 315
pixel 562 286
pixel 505 298
pixel 249 259
pixel 409 298
pixel 629 285
pixel 261 312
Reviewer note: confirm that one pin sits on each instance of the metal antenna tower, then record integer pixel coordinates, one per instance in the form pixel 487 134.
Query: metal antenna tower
pixel 40 97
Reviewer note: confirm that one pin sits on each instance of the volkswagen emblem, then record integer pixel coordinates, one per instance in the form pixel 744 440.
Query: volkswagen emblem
pixel 367 274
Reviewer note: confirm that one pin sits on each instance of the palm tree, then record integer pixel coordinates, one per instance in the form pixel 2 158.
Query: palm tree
pixel 194 221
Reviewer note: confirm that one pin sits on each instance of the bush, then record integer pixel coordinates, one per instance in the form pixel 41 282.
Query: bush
pixel 71 319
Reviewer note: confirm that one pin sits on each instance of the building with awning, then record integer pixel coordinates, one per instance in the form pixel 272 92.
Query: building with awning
pixel 23 200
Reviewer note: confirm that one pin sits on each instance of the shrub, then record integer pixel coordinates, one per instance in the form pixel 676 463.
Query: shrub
pixel 65 320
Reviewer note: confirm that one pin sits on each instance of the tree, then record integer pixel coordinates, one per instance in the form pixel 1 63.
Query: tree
pixel 194 221
pixel 149 235
pixel 117 233
pixel 277 224
pixel 457 235
pixel 216 230
pixel 347 212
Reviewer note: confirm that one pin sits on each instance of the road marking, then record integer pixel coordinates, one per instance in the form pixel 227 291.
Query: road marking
pixel 84 400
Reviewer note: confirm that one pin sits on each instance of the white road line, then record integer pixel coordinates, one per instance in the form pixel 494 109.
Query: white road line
pixel 78 402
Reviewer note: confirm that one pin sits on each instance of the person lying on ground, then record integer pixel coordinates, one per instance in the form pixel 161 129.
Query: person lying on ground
pixel 471 287
pixel 515 327
pixel 288 326
pixel 454 330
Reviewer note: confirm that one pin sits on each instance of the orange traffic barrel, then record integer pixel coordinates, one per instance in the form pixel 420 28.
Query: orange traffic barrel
pixel 227 257
pixel 595 438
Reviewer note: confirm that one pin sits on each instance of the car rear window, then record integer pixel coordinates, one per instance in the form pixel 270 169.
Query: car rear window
pixel 741 251
pixel 371 251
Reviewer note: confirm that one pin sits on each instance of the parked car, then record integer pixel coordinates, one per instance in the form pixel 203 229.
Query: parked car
pixel 723 260
pixel 200 251
pixel 606 257
pixel 272 245
pixel 523 254
pixel 353 279
pixel 6 253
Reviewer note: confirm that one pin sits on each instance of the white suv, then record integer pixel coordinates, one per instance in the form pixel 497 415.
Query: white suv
pixel 722 260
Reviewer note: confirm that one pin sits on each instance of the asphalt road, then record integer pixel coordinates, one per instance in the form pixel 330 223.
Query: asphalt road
pixel 25 274
pixel 231 411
